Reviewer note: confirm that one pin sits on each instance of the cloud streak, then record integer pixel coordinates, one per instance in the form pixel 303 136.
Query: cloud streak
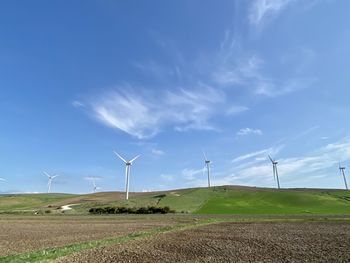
pixel 144 115
pixel 261 9
pixel 249 131
pixel 292 169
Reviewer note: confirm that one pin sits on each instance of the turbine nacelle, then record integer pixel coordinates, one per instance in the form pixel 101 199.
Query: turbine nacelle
pixel 129 162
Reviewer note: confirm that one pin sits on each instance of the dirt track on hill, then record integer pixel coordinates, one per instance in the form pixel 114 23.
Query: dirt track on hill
pixel 233 242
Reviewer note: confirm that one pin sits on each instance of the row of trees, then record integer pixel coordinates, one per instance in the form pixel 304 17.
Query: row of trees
pixel 131 210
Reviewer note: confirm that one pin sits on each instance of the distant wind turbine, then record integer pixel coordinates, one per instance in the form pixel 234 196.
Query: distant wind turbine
pixel 342 171
pixel 127 172
pixel 207 167
pixel 50 178
pixel 95 187
pixel 275 171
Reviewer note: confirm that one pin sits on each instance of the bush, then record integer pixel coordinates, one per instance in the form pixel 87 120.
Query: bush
pixel 131 210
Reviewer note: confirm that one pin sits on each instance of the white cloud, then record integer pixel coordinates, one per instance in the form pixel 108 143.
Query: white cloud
pixel 292 170
pixel 234 68
pixel 191 174
pixel 249 131
pixel 275 88
pixel 234 110
pixel 143 115
pixel 78 104
pixel 158 152
pixel 259 155
pixel 260 9
pixel 92 178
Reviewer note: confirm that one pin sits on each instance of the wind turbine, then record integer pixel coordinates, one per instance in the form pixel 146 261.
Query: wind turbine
pixel 342 171
pixel 127 172
pixel 275 172
pixel 95 187
pixel 207 167
pixel 50 178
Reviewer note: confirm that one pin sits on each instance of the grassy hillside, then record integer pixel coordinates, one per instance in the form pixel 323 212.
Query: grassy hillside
pixel 15 202
pixel 216 200
pixel 277 202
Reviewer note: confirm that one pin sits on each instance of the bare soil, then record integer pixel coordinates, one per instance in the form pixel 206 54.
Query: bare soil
pixel 17 236
pixel 233 242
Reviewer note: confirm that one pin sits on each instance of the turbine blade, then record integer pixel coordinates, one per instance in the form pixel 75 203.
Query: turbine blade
pixel 270 159
pixel 205 157
pixel 132 160
pixel 120 157
pixel 48 175
pixel 54 176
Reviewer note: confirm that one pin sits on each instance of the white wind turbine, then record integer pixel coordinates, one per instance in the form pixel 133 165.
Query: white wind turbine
pixel 342 172
pixel 95 186
pixel 50 178
pixel 275 172
pixel 127 172
pixel 207 167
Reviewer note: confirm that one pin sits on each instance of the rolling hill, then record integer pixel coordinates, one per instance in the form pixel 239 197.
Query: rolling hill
pixel 216 200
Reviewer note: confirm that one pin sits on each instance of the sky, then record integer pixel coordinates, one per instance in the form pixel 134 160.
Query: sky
pixel 169 79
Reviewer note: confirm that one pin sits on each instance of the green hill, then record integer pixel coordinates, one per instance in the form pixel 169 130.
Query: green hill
pixel 216 200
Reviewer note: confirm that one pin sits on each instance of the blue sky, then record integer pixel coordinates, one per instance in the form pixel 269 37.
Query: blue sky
pixel 168 79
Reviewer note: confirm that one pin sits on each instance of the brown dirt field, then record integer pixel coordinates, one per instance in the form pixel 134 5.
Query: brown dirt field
pixel 233 242
pixel 23 235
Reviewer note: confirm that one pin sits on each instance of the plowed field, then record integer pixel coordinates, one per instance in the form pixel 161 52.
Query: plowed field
pixel 233 242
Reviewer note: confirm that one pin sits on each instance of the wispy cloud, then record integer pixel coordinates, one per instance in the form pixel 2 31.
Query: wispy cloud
pixel 92 178
pixel 191 174
pixel 144 115
pixel 2 179
pixel 190 95
pixel 261 9
pixel 77 104
pixel 249 131
pixel 292 169
pixel 246 71
pixel 234 110
pixel 259 155
pixel 158 152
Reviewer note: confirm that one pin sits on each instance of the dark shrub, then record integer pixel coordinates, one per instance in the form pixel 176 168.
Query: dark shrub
pixel 131 210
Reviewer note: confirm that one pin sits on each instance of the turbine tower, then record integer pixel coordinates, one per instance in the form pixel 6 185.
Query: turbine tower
pixel 127 172
pixel 50 178
pixel 275 172
pixel 207 167
pixel 342 171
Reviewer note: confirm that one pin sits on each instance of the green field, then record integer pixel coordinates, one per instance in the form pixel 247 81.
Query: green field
pixel 216 200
